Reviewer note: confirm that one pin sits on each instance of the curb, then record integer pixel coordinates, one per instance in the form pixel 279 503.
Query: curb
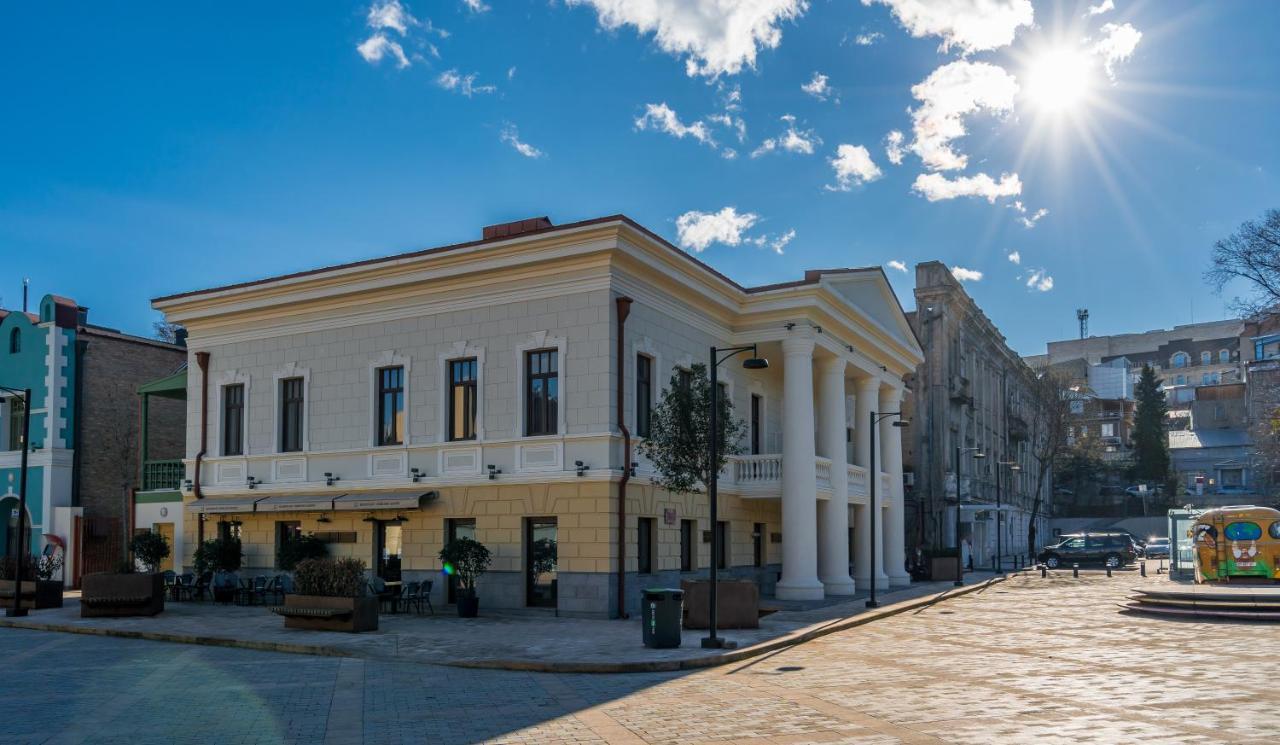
pixel 656 666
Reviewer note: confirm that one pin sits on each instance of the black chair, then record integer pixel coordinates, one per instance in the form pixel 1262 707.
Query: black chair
pixel 409 597
pixel 258 590
pixel 424 596
pixel 274 588
pixel 186 586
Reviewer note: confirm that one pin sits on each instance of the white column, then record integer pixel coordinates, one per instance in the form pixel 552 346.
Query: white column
pixel 799 474
pixel 895 524
pixel 865 403
pixel 833 514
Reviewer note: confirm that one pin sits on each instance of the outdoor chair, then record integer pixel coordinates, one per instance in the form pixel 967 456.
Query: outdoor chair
pixel 424 596
pixel 409 597
pixel 186 586
pixel 258 592
pixel 286 585
pixel 201 587
pixel 274 588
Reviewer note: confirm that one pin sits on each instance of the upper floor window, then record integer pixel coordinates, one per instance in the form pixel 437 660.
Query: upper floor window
pixel 1181 359
pixel 462 399
pixel 1206 358
pixel 756 421
pixel 1206 379
pixel 15 341
pixel 233 419
pixel 542 392
pixel 17 411
pixel 1224 356
pixel 644 395
pixel 391 405
pixel 292 416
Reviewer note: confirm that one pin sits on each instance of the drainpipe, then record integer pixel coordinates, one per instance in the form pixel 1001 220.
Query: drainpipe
pixel 624 309
pixel 202 360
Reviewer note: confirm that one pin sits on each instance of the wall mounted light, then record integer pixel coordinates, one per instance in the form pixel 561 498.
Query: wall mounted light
pixel 493 472
pixel 581 467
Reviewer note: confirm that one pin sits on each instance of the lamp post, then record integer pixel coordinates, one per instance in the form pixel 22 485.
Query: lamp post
pixel 19 550
pixel 872 477
pixel 977 454
pixel 754 362
pixel 1000 466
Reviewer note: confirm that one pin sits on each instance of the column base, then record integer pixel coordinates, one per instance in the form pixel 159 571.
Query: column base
pixel 882 582
pixel 811 590
pixel 900 580
pixel 839 586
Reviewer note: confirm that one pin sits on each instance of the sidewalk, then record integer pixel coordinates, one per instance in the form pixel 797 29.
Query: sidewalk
pixel 493 640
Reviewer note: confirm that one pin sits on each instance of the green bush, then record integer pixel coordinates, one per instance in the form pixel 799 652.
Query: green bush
pixel 299 549
pixel 466 559
pixel 218 555
pixel 151 549
pixel 335 578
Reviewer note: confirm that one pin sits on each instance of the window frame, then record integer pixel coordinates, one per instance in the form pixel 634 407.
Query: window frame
pixel 644 394
pixel 471 401
pixel 550 408
pixel 757 424
pixel 646 532
pixel 297 443
pixel 227 407
pixel 399 393
pixel 688 545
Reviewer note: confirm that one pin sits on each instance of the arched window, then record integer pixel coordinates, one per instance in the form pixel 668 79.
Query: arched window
pixel 15 341
pixel 1181 359
pixel 1205 358
pixel 1224 356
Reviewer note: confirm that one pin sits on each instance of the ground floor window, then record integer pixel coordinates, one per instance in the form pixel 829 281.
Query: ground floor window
pixel 758 536
pixel 455 528
pixel 286 531
pixel 540 554
pixel 228 529
pixel 722 547
pixel 644 545
pixel 687 562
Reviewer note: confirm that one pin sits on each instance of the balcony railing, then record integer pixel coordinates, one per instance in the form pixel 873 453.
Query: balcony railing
pixel 761 475
pixel 161 474
pixel 755 469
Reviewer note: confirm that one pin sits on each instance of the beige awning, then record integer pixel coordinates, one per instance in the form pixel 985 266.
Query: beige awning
pixel 223 506
pixel 380 501
pixel 296 503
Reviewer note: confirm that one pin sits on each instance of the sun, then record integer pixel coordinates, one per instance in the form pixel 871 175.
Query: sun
pixel 1061 80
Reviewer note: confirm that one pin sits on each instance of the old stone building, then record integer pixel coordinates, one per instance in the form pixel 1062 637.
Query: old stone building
pixel 970 397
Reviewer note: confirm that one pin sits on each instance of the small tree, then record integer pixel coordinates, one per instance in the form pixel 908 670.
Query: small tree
pixel 1150 439
pixel 219 555
pixel 466 560
pixel 150 549
pixel 680 433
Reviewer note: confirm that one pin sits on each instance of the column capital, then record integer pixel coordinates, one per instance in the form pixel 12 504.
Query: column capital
pixel 798 343
pixel 831 365
pixel 868 386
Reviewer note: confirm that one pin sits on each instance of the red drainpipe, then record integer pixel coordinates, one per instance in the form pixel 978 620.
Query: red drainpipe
pixel 624 309
pixel 202 360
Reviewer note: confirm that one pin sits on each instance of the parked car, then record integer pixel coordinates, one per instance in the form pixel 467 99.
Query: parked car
pixel 1157 548
pixel 1136 490
pixel 1111 549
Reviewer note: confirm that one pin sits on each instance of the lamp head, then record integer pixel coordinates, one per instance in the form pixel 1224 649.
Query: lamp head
pixel 902 423
pixel 755 363
pixel 979 455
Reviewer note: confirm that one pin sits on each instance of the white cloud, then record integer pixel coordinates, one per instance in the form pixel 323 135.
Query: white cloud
pixel 853 166
pixel 729 153
pixel 970 25
pixel 1026 216
pixel 378 46
pixel 949 94
pixel 893 149
pixel 966 275
pixel 452 80
pixel 511 73
pixel 715 37
pixel 735 123
pixel 475 6
pixel 1015 257
pixel 1039 280
pixel 818 87
pixel 1106 6
pixel 779 243
pixel 698 230
pixel 511 136
pixel 935 186
pixel 866 40
pixel 663 118
pixel 897 265
pixel 1116 45
pixel 793 140
pixel 390 15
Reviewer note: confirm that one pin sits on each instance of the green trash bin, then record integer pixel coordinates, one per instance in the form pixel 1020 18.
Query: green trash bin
pixel 662 614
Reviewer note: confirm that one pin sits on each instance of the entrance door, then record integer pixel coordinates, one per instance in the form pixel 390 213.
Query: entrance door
pixel 388 550
pixel 541 550
pixel 455 528
pixel 166 530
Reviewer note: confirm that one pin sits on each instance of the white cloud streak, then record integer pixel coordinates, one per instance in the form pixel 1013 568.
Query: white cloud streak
pixel 969 25
pixel 476 6
pixel 662 118
pixel 511 136
pixel 1106 6
pixel 949 94
pixel 698 230
pixel 853 166
pixel 866 40
pixel 801 141
pixel 897 266
pixel 893 149
pixel 1015 257
pixel 378 46
pixel 1116 45
pixel 966 275
pixel 452 80
pixel 1039 280
pixel 936 187
pixel 818 87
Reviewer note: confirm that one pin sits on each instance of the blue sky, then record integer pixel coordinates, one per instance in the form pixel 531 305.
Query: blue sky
pixel 151 148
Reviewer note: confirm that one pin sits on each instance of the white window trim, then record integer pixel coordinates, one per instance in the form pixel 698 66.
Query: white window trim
pixel 1224 356
pixel 646 347
pixel 541 340
pixel 389 359
pixel 458 351
pixel 291 370
pixel 224 379
pixel 756 388
pixel 1206 358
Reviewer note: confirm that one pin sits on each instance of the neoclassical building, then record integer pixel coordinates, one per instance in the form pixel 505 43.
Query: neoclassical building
pixel 497 389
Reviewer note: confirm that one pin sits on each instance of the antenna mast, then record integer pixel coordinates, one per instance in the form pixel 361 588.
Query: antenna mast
pixel 1082 315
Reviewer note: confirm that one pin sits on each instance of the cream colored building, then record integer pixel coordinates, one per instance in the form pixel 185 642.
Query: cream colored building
pixel 388 404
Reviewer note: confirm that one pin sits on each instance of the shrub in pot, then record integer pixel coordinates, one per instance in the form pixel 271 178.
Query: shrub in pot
pixel 37 586
pixel 222 557
pixel 300 548
pixel 465 560
pixel 329 595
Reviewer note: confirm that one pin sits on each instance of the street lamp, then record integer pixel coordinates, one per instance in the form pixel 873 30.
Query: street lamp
pixel 978 455
pixel 872 478
pixel 1000 466
pixel 19 550
pixel 754 362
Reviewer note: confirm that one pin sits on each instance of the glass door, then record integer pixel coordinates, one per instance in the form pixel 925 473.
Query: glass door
pixel 389 550
pixel 540 555
pixel 455 528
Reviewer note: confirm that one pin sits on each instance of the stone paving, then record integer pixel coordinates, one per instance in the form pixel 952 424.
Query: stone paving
pixel 1029 660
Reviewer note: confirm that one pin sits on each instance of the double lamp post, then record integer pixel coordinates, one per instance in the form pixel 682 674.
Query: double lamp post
pixel 19 544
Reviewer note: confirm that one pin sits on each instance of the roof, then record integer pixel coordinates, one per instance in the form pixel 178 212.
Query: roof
pixel 170 386
pixel 1207 438
pixel 106 333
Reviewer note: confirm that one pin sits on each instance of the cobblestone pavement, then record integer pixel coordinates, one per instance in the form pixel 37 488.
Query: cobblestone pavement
pixel 1028 661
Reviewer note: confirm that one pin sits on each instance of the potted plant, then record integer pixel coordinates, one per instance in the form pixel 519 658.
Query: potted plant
pixel 48 589
pixel 128 592
pixel 466 560
pixel 36 593
pixel 222 557
pixel 330 595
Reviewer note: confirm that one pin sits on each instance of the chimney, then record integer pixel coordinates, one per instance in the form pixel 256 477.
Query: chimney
pixel 180 336
pixel 509 229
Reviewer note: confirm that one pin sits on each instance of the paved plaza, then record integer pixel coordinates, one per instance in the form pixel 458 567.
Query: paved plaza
pixel 1029 660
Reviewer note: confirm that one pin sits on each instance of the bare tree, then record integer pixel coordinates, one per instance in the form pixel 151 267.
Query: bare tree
pixel 165 331
pixel 1049 414
pixel 1252 254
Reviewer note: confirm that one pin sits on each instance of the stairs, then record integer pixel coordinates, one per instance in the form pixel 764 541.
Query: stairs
pixel 1249 604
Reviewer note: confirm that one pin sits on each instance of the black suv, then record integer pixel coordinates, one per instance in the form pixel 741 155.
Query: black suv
pixel 1111 549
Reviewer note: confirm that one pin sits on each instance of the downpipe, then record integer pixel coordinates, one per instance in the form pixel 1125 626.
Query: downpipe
pixel 624 310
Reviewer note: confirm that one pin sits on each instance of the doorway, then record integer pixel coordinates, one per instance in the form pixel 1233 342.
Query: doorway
pixel 541 550
pixel 166 530
pixel 388 550
pixel 455 528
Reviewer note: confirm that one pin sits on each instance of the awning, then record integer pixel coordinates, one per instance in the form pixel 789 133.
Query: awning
pixel 224 506
pixel 296 503
pixel 380 501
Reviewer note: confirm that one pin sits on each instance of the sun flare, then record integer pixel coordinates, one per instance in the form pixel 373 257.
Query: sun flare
pixel 1060 80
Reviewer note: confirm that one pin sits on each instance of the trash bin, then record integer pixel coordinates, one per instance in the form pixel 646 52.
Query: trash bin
pixel 662 610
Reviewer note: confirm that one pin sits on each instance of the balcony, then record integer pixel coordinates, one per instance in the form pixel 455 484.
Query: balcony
pixel 162 475
pixel 760 476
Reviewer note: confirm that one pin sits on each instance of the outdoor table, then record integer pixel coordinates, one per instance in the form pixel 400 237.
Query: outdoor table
pixel 391 595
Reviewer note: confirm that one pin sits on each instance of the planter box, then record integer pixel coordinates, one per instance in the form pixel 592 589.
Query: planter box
pixel 737 606
pixel 944 568
pixel 121 595
pixel 321 613
pixel 47 594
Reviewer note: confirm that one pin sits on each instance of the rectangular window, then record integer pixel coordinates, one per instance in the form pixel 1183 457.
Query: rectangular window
pixel 17 412
pixel 685 379
pixel 391 406
pixel 687 531
pixel 644 545
pixel 541 556
pixel 233 419
pixel 542 393
pixel 1109 429
pixel 286 530
pixel 758 537
pixel 722 538
pixel 644 395
pixel 462 399
pixel 757 437
pixel 291 415
pixel 229 529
